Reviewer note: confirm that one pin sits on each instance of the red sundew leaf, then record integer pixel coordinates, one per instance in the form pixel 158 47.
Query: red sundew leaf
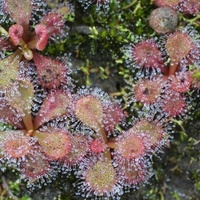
pixel 97 146
pixel 51 72
pixel 130 174
pixel 180 82
pixel 152 131
pixel 21 97
pixel 10 115
pixel 192 57
pixel 79 148
pixel 41 32
pixel 9 69
pixel 20 11
pixel 148 91
pixel 89 110
pixel 55 145
pixel 16 144
pixel 146 54
pixel 191 7
pixel 39 39
pixel 15 33
pixel 54 23
pixel 178 46
pixel 173 103
pixel 130 146
pixel 112 115
pixel 35 166
pixel 55 105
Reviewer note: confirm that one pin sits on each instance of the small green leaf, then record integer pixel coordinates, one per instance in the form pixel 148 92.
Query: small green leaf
pixel 9 69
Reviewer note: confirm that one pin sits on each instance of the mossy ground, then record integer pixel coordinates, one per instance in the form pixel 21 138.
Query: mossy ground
pixel 94 44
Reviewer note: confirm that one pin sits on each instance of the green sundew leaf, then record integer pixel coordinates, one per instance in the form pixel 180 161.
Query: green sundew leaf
pixel 101 177
pixel 9 70
pixel 21 97
pixel 20 11
pixel 3 32
pixel 89 111
pixel 55 144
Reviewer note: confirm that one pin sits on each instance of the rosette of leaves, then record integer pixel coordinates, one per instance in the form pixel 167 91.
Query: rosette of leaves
pixel 28 145
pixel 24 43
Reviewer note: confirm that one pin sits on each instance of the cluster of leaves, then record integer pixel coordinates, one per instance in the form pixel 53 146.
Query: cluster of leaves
pixel 54 127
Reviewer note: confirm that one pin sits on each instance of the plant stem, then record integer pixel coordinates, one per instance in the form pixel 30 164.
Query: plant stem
pixel 172 69
pixel 27 119
pixel 102 132
pixel 111 144
pixel 128 6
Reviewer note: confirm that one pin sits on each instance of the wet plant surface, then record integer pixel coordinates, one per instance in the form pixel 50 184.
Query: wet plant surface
pixel 98 102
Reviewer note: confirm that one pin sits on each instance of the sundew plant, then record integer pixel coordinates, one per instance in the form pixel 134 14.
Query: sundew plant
pixel 97 95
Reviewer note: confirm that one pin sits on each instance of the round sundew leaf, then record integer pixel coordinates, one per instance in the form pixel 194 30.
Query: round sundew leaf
pixel 55 145
pixel 163 19
pixel 101 177
pixel 112 115
pixel 89 110
pixel 20 11
pixel 130 174
pixel 191 7
pixel 130 146
pixel 180 82
pixel 173 104
pixel 79 148
pixel 16 145
pixel 153 131
pixel 51 72
pixel 97 146
pixel 21 97
pixel 10 115
pixel 35 166
pixel 54 23
pixel 148 91
pixel 55 105
pixel 178 46
pixel 9 69
pixel 146 54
